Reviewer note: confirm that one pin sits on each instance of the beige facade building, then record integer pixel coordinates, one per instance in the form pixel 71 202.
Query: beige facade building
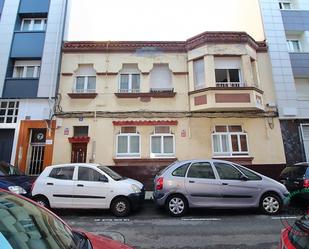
pixel 150 103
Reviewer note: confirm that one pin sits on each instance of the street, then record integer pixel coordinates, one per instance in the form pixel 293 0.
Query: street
pixel 151 228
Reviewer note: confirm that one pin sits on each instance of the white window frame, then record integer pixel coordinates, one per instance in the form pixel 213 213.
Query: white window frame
pixel 128 154
pixel 229 83
pixel 291 47
pixel 6 115
pixel 24 65
pixel 199 85
pixel 230 153
pixel 85 89
pixel 162 154
pixel 282 5
pixel 31 27
pixel 130 89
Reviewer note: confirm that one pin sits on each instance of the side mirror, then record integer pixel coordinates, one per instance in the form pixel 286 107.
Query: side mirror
pixel 103 179
pixel 244 178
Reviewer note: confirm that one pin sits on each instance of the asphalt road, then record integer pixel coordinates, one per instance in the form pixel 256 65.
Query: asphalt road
pixel 151 228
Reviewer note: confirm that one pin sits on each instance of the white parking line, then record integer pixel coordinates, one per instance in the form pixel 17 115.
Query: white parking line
pixel 200 219
pixel 111 220
pixel 283 217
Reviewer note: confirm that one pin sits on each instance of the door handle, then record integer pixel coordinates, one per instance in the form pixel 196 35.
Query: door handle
pixel 191 181
pixel 49 183
pixel 80 185
pixel 224 183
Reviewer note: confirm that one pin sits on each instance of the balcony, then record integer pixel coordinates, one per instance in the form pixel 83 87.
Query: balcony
pixel 33 6
pixel 226 98
pixel 154 93
pixel 20 88
pixel 83 94
pixel 300 64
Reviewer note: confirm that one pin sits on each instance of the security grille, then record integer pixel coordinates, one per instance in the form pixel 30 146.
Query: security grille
pixel 36 159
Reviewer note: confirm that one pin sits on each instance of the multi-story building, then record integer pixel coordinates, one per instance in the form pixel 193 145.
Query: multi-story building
pixel 31 34
pixel 286 25
pixel 150 103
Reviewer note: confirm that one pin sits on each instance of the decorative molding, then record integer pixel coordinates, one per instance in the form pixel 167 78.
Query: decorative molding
pixel 82 95
pixel 74 140
pixel 226 88
pixel 145 122
pixel 232 98
pixel 67 74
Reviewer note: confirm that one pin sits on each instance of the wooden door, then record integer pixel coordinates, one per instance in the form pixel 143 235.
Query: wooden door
pixel 79 153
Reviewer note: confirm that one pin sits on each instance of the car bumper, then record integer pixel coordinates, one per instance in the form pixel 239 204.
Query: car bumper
pixel 137 200
pixel 159 198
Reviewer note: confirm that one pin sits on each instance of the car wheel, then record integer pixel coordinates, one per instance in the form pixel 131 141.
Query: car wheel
pixel 270 204
pixel 43 201
pixel 177 205
pixel 120 207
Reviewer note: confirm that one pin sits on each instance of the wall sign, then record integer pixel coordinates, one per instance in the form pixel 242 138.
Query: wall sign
pixel 49 142
pixel 183 133
pixel 66 131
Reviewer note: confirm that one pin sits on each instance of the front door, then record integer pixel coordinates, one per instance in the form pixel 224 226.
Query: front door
pixel 202 186
pixel 6 144
pixel 79 153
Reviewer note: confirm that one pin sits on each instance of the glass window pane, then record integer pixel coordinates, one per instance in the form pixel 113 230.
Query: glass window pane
pixel 234 75
pixel 122 144
pixel 168 143
pixel 124 82
pixel 37 24
pixel 80 84
pixel 162 129
pixel 63 173
pixel 199 72
pixel 216 143
pixel 128 129
pixel 243 143
pixel 135 81
pixel 30 72
pixel 221 75
pixel 134 144
pixel 296 46
pixel 38 71
pixel 227 171
pixel 201 170
pixel 235 128
pixel 26 25
pixel 220 128
pixel 156 144
pixel 234 139
pixel 91 84
pixel 181 171
pixel 225 143
pixel 19 72
pixel 86 174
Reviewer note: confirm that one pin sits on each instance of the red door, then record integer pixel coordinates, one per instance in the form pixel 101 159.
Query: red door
pixel 79 153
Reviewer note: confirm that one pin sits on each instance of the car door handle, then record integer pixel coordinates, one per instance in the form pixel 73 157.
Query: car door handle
pixel 80 185
pixel 191 181
pixel 49 183
pixel 224 183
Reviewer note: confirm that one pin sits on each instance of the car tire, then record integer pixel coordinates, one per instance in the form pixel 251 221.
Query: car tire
pixel 42 200
pixel 120 207
pixel 176 205
pixel 270 204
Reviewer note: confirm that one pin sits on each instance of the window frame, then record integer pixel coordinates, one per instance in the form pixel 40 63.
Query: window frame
pixel 229 134
pixel 291 47
pixel 232 166
pixel 130 89
pixel 31 26
pixel 36 72
pixel 86 81
pixel 282 5
pixel 201 162
pixel 128 154
pixel 195 78
pixel 88 168
pixel 162 135
pixel 61 167
pixel 240 83
pixel 6 109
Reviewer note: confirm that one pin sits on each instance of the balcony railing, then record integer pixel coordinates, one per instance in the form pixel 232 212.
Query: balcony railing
pixel 129 90
pixel 83 90
pixel 230 84
pixel 159 90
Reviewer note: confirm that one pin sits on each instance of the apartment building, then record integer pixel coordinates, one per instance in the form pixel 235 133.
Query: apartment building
pixel 286 25
pixel 31 34
pixel 148 104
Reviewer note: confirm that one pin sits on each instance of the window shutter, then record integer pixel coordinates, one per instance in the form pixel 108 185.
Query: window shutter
pixel 85 70
pixel 227 63
pixel 160 77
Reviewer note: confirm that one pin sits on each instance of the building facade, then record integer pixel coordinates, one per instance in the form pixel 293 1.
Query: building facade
pixel 286 25
pixel 146 104
pixel 31 34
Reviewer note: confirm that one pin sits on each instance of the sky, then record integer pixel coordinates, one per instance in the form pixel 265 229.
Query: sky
pixel 159 20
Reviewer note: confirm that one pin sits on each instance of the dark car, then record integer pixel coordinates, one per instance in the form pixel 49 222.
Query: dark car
pixel 25 224
pixel 296 180
pixel 297 236
pixel 14 180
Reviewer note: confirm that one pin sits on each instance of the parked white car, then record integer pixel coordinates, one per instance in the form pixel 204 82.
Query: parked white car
pixel 87 186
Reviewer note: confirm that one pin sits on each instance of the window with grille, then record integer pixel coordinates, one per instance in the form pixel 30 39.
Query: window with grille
pixel 8 111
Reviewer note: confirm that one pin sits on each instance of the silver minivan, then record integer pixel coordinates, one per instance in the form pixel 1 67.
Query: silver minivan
pixel 216 184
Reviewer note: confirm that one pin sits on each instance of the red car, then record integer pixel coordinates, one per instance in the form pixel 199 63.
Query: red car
pixel 296 236
pixel 27 225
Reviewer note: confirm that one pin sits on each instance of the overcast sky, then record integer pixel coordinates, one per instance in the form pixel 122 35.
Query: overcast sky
pixel 161 19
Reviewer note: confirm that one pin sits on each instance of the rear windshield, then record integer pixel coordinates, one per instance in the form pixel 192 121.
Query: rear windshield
pixel 166 168
pixel 293 172
pixel 111 173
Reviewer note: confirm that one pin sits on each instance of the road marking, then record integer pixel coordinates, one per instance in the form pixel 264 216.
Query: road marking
pixel 283 217
pixel 111 220
pixel 200 219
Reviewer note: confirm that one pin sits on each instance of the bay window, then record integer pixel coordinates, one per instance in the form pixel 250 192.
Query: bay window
pixel 229 141
pixel 128 143
pixel 228 72
pixel 162 142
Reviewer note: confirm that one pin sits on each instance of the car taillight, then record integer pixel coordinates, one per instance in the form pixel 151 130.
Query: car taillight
pixel 306 183
pixel 159 184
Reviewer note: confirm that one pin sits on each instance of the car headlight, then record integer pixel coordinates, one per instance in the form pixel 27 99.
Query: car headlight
pixel 17 190
pixel 135 188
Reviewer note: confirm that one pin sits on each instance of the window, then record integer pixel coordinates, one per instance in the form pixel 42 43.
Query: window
pixel 26 69
pixel 160 78
pixel 227 171
pixel 33 24
pixel 229 141
pixel 85 79
pixel 87 174
pixel 285 5
pixel 199 73
pixel 63 173
pixel 294 45
pixel 248 173
pixel 8 111
pixel 80 131
pixel 162 142
pixel 181 171
pixel 201 170
pixel 129 79
pixel 228 72
pixel 128 143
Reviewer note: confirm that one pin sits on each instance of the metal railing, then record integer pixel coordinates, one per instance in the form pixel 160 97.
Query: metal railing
pixel 161 90
pixel 230 84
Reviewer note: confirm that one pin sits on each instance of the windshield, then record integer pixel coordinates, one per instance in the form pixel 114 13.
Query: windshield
pixel 111 173
pixel 8 170
pixel 25 226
